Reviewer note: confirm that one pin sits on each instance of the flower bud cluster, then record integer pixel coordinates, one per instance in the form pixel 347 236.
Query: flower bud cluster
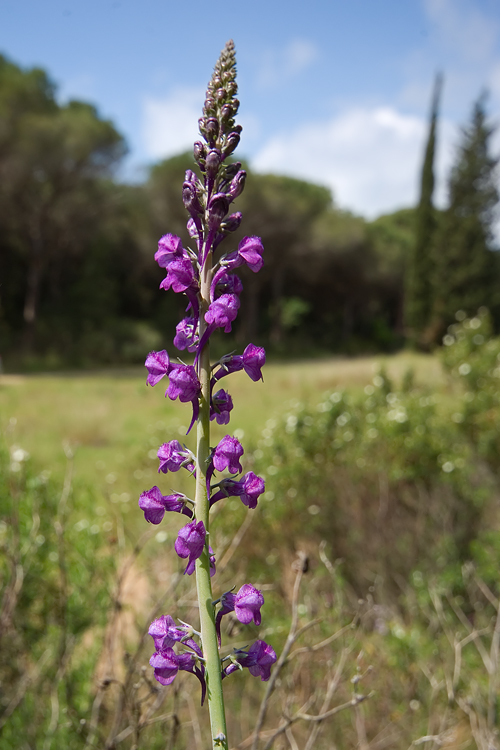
pixel 213 300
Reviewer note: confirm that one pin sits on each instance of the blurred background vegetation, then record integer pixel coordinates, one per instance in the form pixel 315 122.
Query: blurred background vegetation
pixel 382 471
pixel 79 286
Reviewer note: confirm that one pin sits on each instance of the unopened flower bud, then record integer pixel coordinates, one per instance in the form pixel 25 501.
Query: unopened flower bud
pixel 209 105
pixel 217 210
pixel 232 222
pixel 199 150
pixel 237 184
pixel 233 169
pixel 231 142
pixel 227 111
pixel 212 163
pixel 192 229
pixel 221 94
pixel 190 198
pixel 212 129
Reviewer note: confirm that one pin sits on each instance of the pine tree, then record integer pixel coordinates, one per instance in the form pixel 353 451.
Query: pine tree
pixel 419 297
pixel 466 268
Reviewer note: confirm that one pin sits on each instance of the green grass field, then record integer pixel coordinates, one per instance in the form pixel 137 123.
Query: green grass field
pixel 114 423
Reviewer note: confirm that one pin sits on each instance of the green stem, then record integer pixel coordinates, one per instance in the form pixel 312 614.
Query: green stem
pixel 203 585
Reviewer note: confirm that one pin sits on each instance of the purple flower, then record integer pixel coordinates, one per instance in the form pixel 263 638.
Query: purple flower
pixel 174 457
pixel 158 365
pixel 184 383
pixel 217 209
pixel 249 253
pixel 190 543
pixel 225 283
pixel 211 560
pixel 252 361
pixel 190 197
pixel 166 634
pixel 232 222
pixel 220 406
pixel 248 489
pixel 237 184
pixel 185 337
pixel 222 312
pixel 169 248
pixel 185 386
pixel 245 604
pixel 227 455
pixel 259 659
pixel 167 663
pixel 180 276
pixel 155 505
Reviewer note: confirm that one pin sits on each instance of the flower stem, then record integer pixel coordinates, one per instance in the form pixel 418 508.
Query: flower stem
pixel 203 584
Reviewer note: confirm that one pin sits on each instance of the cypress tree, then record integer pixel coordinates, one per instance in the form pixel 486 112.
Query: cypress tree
pixel 466 268
pixel 419 297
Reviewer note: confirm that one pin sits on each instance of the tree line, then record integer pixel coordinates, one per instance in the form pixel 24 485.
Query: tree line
pixel 79 286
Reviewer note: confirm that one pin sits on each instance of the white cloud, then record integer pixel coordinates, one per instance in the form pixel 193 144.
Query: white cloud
pixel 170 125
pixel 369 157
pixel 464 28
pixel 298 55
pixel 279 65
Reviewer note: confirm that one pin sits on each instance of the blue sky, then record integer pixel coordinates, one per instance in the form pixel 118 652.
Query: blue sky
pixel 332 91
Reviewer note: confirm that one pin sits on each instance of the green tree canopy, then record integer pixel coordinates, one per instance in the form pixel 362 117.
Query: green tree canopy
pixel 466 274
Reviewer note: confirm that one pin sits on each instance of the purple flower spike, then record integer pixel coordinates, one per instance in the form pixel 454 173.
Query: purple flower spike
pixel 155 505
pixel 158 365
pixel 220 407
pixel 174 457
pixel 227 455
pixel 169 248
pixel 190 543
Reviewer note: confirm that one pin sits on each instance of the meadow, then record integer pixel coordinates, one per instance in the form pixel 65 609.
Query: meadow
pixel 376 546
pixel 114 423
